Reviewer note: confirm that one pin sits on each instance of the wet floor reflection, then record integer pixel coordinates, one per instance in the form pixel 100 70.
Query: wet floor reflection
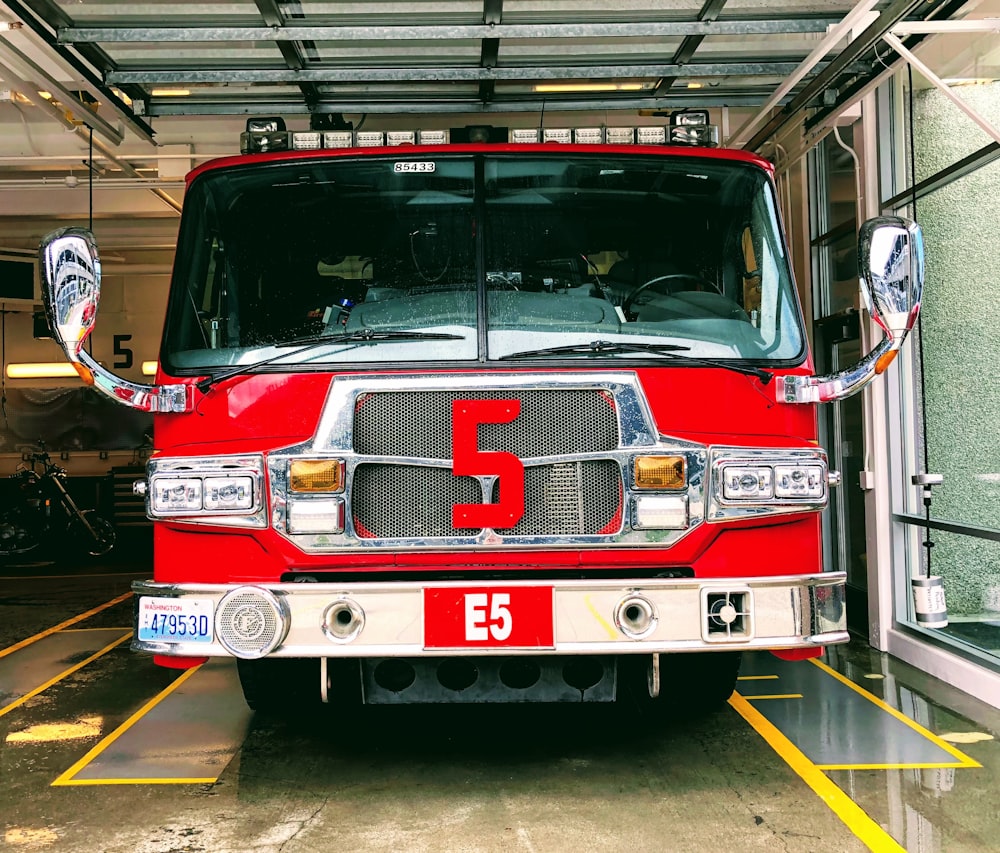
pixel 928 809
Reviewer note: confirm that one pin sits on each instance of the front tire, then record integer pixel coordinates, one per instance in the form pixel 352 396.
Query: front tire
pixel 104 536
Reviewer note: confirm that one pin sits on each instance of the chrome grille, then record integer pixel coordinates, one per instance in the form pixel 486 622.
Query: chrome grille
pixel 571 498
pixel 551 423
pixel 415 501
pixel 409 501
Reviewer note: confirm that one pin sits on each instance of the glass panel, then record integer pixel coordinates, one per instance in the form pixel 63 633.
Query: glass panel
pixel 840 274
pixel 838 204
pixel 272 254
pixel 959 319
pixel 970 571
pixel 636 252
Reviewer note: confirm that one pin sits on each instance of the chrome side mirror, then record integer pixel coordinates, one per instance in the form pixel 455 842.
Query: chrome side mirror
pixel 891 266
pixel 71 292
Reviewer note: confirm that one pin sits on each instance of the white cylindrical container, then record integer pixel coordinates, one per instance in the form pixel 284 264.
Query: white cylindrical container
pixel 928 601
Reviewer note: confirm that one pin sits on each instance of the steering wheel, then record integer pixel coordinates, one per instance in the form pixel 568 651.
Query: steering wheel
pixel 697 279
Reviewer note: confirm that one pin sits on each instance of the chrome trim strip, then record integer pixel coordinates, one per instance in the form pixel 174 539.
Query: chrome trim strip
pixel 788 612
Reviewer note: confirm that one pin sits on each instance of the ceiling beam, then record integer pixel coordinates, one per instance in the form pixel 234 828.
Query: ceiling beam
pixel 709 12
pixel 290 51
pixel 265 105
pixel 83 59
pixel 489 53
pixel 886 20
pixel 649 29
pixel 450 74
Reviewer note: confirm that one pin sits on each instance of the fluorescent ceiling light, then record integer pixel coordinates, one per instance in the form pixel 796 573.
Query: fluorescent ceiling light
pixel 589 87
pixel 41 370
pixel 171 93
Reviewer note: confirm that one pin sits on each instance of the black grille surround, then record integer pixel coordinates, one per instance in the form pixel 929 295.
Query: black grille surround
pixel 407 500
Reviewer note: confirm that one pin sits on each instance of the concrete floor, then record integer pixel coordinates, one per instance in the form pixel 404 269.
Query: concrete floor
pixel 102 751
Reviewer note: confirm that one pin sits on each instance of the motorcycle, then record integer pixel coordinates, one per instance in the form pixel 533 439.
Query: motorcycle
pixel 45 514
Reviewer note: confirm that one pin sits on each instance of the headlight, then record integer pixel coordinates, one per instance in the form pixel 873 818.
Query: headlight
pixel 766 481
pixel 220 490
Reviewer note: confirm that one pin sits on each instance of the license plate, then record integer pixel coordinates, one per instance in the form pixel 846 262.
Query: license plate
pixel 186 620
pixel 488 617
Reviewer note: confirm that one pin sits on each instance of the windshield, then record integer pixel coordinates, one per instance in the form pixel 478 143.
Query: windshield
pixel 481 258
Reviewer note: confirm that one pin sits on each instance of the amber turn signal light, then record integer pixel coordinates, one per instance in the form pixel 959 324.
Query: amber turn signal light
pixel 659 472
pixel 316 475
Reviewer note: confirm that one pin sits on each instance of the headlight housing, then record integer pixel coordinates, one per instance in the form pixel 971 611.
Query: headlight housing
pixel 765 481
pixel 209 490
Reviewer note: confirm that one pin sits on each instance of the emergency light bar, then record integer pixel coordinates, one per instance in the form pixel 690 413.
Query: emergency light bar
pixel 687 127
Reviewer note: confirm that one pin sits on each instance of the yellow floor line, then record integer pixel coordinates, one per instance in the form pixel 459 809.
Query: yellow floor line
pixel 757 678
pixel 774 696
pixel 71 621
pixel 67 777
pixel 853 816
pixel 965 760
pixel 913 766
pixel 21 700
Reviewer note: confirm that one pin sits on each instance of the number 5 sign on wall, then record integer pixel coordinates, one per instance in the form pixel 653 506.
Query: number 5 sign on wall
pixel 469 461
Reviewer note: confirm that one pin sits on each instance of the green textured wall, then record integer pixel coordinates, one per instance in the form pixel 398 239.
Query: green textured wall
pixel 961 333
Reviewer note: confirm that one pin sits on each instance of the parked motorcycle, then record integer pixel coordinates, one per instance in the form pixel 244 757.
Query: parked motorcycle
pixel 44 515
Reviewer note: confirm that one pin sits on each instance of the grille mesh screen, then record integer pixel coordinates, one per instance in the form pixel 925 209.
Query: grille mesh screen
pixel 409 501
pixel 551 423
pixel 412 501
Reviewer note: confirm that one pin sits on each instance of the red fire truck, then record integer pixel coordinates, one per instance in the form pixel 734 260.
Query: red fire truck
pixel 486 415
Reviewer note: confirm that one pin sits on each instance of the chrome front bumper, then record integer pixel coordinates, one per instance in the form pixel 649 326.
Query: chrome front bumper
pixel 327 620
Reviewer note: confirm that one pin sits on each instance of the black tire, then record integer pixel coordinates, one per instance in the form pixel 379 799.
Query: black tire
pixel 15 538
pixel 692 684
pixel 104 535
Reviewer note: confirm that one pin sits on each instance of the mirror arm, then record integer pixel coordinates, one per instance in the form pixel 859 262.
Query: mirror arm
pixel 837 386
pixel 145 398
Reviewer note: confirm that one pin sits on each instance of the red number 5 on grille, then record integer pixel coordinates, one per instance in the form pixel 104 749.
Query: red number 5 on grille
pixel 469 461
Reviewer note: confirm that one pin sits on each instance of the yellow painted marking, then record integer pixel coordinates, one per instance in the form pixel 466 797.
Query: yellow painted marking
pixel 775 696
pixel 6 709
pixel 29 837
pixel 51 732
pixel 853 816
pixel 71 621
pixel 965 737
pixel 964 759
pixel 593 610
pixel 67 777
pixel 913 766
pixel 207 780
pixel 85 630
pixel 758 678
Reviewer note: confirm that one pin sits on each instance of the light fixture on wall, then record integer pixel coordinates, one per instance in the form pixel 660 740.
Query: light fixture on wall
pixel 40 370
pixel 149 368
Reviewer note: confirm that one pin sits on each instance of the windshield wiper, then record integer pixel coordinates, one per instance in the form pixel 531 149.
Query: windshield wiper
pixel 307 343
pixel 671 351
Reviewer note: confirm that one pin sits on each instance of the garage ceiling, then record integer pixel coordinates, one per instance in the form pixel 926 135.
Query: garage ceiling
pixel 98 94
pixel 388 56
